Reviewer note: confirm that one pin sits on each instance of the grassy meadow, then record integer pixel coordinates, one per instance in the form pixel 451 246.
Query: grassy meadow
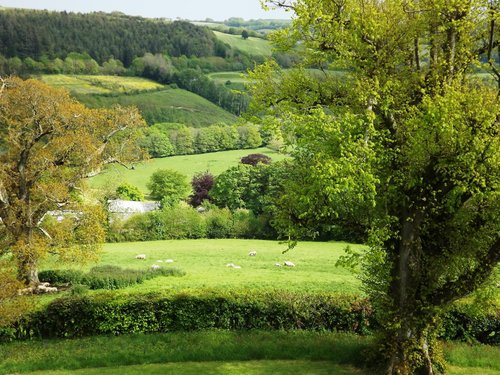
pixel 214 162
pixel 252 46
pixel 220 352
pixel 157 103
pixel 204 262
pixel 233 80
pixel 100 84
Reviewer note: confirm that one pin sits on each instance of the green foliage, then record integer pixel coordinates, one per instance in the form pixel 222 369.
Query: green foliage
pixel 105 277
pixel 107 313
pixel 104 37
pixel 129 192
pixel 156 143
pixel 219 223
pixel 168 186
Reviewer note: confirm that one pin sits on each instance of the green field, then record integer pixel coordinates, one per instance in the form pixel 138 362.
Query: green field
pixel 220 352
pixel 99 84
pixel 252 46
pixel 214 162
pixel 171 105
pixel 204 262
pixel 157 103
pixel 237 79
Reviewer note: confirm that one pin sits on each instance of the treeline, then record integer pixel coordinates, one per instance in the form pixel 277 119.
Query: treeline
pixel 38 34
pixel 167 139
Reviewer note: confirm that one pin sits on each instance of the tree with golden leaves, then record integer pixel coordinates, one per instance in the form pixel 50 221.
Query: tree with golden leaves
pixel 49 143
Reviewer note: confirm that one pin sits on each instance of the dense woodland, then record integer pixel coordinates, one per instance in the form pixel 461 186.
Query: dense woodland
pixel 37 34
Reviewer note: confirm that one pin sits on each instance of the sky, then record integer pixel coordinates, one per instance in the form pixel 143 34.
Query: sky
pixel 218 10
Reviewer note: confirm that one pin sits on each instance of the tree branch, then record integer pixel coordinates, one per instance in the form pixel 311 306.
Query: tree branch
pixel 470 281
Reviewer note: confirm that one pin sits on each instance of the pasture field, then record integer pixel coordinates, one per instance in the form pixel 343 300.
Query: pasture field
pixel 252 46
pixel 237 79
pixel 204 262
pixel 220 352
pixel 100 84
pixel 214 162
pixel 170 105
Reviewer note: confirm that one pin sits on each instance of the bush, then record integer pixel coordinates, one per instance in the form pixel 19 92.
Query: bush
pixel 104 277
pixel 219 223
pixel 107 313
pixel 254 159
pixel 201 184
pixel 129 192
pixel 168 186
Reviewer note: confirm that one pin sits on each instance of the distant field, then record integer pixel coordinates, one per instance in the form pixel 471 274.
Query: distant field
pixel 214 162
pixel 253 46
pixel 90 84
pixel 237 79
pixel 171 105
pixel 204 262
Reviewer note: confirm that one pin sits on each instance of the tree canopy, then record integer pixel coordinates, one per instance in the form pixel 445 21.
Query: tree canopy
pixel 49 144
pixel 405 144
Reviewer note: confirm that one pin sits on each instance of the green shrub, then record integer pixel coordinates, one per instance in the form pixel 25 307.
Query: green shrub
pixel 129 192
pixel 107 313
pixel 104 277
pixel 219 223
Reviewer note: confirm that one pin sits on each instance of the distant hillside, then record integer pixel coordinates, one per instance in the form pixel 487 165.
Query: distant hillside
pixel 171 105
pixel 100 84
pixel 33 33
pixel 252 46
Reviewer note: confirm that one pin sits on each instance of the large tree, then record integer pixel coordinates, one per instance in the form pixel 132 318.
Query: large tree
pixel 48 144
pixel 405 143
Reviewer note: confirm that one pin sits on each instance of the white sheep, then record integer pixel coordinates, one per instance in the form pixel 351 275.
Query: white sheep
pixel 140 256
pixel 252 253
pixel 160 261
pixel 169 261
pixel 232 265
pixel 277 264
pixel 155 267
pixel 50 289
pixel 289 264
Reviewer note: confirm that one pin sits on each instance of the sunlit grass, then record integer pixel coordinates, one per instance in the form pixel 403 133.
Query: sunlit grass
pixel 189 165
pixel 204 262
pixel 253 46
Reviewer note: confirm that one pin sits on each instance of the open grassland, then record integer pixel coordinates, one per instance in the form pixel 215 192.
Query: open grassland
pixel 99 84
pixel 232 80
pixel 204 262
pixel 215 163
pixel 171 105
pixel 220 352
pixel 252 46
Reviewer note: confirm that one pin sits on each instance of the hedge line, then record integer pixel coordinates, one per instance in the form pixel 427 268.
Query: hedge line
pixel 111 313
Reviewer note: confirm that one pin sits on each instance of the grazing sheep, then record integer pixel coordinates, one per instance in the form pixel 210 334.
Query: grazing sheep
pixel 155 267
pixel 160 261
pixel 277 264
pixel 140 256
pixel 22 292
pixel 289 264
pixel 252 253
pixel 236 266
pixel 50 289
pixel 169 261
pixel 232 265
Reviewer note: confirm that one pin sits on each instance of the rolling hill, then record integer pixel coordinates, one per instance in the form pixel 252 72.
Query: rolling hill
pixel 252 46
pixel 156 102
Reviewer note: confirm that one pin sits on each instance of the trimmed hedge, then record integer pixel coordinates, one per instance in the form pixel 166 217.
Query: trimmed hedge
pixel 111 313
pixel 106 276
pixel 108 313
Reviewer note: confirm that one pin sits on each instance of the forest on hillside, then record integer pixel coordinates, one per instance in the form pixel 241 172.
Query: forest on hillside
pixel 37 34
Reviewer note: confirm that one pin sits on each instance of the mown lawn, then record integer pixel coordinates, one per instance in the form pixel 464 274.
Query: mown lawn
pixel 204 262
pixel 214 162
pixel 220 352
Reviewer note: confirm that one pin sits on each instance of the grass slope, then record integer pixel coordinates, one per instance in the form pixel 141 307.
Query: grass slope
pixel 233 80
pixel 252 46
pixel 204 262
pixel 215 162
pixel 219 352
pixel 100 84
pixel 156 102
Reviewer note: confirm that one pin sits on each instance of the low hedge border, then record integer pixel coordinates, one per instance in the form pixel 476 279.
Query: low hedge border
pixel 112 313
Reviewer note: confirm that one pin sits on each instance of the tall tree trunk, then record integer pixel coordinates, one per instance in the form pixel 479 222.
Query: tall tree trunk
pixel 27 271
